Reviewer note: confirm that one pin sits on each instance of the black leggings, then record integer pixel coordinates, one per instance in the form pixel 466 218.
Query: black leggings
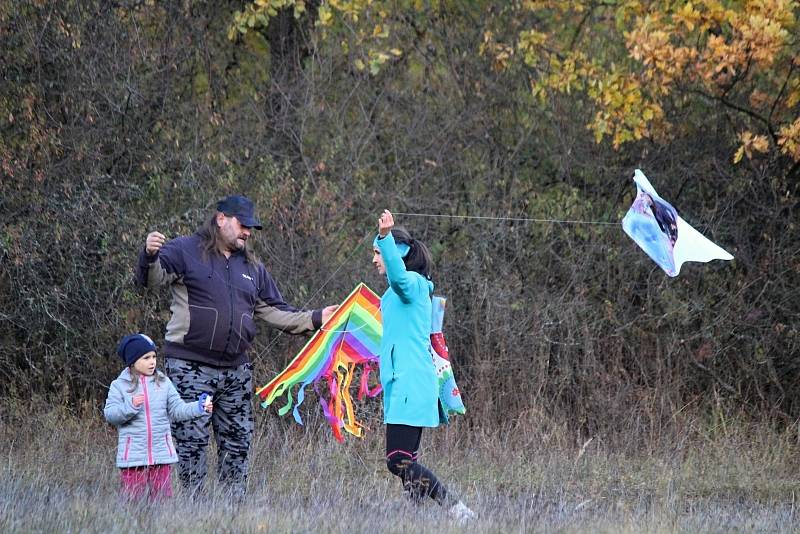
pixel 402 446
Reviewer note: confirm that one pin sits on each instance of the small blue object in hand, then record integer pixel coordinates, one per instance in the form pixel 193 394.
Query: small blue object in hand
pixel 201 401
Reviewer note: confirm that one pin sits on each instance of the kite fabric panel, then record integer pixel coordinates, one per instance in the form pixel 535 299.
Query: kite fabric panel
pixel 449 395
pixel 350 338
pixel 658 229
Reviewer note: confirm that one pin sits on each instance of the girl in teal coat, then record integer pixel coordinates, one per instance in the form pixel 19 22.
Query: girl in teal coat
pixel 408 376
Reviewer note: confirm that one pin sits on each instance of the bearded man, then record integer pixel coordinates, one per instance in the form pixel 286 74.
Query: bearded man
pixel 218 290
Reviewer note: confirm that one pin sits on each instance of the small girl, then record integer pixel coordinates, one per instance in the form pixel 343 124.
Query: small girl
pixel 408 375
pixel 141 403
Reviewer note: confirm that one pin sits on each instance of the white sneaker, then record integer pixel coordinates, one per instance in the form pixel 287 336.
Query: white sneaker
pixel 461 512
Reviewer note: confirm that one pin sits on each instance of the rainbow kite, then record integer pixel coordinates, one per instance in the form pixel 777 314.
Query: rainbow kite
pixel 350 338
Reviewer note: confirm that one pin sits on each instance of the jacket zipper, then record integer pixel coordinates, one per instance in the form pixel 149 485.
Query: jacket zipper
pixel 147 421
pixel 230 312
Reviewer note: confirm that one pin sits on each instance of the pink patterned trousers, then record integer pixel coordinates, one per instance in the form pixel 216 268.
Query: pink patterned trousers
pixel 151 481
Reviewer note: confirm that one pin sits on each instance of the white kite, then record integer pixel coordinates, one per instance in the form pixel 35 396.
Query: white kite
pixel 669 240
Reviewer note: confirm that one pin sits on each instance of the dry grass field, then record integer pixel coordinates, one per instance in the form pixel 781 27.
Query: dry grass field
pixel 57 475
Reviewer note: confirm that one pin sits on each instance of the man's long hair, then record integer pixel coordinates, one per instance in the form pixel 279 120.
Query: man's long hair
pixel 209 236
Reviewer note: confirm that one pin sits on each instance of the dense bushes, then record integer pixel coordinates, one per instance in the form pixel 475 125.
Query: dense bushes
pixel 123 117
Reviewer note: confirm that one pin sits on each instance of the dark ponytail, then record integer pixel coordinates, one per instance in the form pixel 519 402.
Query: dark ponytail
pixel 419 257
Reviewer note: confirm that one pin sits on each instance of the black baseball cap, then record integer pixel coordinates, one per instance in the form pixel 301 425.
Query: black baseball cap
pixel 242 208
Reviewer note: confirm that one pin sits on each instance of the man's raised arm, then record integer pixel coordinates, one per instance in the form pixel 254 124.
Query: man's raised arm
pixel 156 267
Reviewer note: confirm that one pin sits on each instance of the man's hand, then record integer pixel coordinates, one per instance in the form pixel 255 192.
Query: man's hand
pixel 154 243
pixel 385 223
pixel 138 400
pixel 328 312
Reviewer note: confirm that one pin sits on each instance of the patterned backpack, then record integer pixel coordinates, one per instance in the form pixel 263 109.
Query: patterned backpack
pixel 449 395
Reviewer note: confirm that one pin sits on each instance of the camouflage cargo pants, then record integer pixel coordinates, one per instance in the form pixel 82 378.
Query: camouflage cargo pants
pixel 232 421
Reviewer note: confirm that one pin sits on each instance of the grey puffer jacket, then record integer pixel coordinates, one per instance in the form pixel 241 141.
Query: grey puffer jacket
pixel 144 432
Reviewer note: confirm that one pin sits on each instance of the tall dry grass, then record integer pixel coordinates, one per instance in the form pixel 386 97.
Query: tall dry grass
pixel 57 474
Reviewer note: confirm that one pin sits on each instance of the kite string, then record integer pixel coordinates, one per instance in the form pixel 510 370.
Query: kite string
pixel 350 255
pixel 261 353
pixel 269 345
pixel 339 268
pixel 515 219
pixel 429 215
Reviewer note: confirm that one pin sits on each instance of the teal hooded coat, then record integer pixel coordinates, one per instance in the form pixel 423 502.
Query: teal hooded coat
pixel 408 376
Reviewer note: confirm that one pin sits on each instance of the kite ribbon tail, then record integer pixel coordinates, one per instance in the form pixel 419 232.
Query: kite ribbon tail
pixel 363 387
pixel 300 396
pixel 336 404
pixel 328 408
pixel 331 420
pixel 270 392
pixel 374 392
pixel 285 409
pixel 351 424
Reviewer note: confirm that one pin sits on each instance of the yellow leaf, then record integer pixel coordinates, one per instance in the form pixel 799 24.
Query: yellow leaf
pixel 761 143
pixel 325 15
pixel 738 156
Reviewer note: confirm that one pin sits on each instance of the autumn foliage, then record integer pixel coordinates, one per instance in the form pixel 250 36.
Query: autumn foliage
pixel 485 123
pixel 636 61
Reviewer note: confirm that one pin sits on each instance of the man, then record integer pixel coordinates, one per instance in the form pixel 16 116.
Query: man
pixel 218 289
